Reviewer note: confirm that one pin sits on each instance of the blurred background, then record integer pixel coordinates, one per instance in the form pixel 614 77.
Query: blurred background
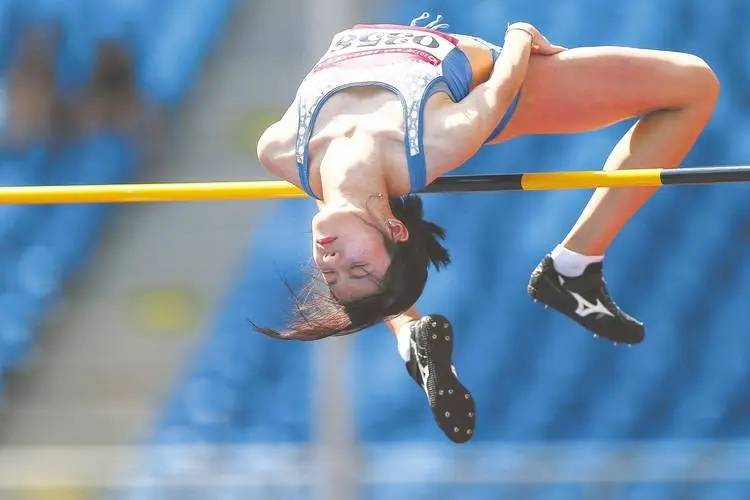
pixel 129 370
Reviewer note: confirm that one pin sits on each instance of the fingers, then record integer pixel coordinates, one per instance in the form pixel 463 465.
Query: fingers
pixel 548 50
pixel 556 49
pixel 539 43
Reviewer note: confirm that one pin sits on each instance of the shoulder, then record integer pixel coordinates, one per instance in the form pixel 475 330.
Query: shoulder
pixel 276 147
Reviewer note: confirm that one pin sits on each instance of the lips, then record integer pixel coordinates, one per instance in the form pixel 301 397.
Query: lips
pixel 327 241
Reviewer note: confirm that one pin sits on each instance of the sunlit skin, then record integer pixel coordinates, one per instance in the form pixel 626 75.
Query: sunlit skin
pixel 349 251
pixel 359 135
pixel 357 161
pixel 354 218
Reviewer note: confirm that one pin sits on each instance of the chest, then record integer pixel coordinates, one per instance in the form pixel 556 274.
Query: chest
pixel 383 82
pixel 379 116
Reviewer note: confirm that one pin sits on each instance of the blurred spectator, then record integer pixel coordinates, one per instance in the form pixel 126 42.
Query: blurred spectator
pixel 31 99
pixel 113 100
pixel 37 111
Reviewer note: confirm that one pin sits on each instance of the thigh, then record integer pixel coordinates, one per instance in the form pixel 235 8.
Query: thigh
pixel 587 88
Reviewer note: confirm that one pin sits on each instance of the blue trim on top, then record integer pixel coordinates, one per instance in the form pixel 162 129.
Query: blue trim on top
pixel 456 80
pixel 457 73
pixel 506 118
pixel 303 169
pixel 418 163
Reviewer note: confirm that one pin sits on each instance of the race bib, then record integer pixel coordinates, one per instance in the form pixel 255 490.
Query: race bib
pixel 427 45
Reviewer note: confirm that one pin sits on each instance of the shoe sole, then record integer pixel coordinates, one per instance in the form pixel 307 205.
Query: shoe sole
pixel 451 403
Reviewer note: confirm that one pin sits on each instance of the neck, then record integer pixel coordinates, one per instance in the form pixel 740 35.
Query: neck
pixel 351 175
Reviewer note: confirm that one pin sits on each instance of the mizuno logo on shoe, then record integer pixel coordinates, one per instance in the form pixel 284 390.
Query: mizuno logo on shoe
pixel 424 369
pixel 586 308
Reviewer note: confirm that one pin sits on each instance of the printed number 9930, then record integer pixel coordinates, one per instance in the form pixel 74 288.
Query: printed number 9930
pixel 373 39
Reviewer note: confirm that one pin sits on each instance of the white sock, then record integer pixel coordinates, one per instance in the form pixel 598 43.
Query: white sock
pixel 570 263
pixel 403 342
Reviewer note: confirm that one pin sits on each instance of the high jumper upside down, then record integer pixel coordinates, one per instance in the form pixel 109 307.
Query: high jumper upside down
pixel 388 109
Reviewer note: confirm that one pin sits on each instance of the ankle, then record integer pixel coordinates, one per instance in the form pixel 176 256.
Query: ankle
pixel 572 264
pixel 403 342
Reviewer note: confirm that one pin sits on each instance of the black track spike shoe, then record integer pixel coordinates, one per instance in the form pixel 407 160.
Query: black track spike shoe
pixel 586 300
pixel 431 368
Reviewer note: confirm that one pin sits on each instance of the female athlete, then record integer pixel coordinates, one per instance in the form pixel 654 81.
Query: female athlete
pixel 389 108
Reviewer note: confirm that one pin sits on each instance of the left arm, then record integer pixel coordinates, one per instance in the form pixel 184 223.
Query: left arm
pixel 461 129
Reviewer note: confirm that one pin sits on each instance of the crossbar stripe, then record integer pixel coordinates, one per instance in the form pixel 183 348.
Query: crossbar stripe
pixel 254 190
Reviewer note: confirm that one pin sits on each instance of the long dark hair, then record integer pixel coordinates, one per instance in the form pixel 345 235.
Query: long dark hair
pixel 320 315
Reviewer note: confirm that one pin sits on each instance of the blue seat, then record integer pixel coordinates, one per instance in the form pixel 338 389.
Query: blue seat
pixel 728 490
pixel 241 386
pixel 19 317
pixel 188 30
pixel 650 491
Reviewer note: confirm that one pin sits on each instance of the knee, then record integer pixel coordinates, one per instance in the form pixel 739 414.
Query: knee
pixel 700 80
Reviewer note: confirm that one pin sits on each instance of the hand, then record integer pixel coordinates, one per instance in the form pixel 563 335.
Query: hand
pixel 539 43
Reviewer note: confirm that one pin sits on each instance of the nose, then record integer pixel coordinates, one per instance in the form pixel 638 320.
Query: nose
pixel 331 257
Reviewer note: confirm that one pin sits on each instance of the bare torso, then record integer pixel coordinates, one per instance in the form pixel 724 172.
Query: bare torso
pixel 378 114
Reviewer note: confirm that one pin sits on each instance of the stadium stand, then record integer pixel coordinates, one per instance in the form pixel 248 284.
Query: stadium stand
pixel 681 266
pixel 43 246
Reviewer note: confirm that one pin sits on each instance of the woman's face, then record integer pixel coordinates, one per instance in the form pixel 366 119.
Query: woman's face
pixel 350 252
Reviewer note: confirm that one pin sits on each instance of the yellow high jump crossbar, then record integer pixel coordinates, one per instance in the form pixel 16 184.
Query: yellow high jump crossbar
pixel 256 190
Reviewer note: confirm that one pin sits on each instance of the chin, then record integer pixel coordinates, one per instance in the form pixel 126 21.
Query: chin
pixel 332 223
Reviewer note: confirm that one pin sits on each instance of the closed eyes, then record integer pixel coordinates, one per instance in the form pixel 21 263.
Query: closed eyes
pixel 359 276
pixel 362 268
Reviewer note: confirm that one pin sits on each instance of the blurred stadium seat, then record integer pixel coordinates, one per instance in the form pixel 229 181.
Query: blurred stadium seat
pixel 42 246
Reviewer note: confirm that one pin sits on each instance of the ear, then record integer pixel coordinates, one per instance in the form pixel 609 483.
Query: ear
pixel 397 229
